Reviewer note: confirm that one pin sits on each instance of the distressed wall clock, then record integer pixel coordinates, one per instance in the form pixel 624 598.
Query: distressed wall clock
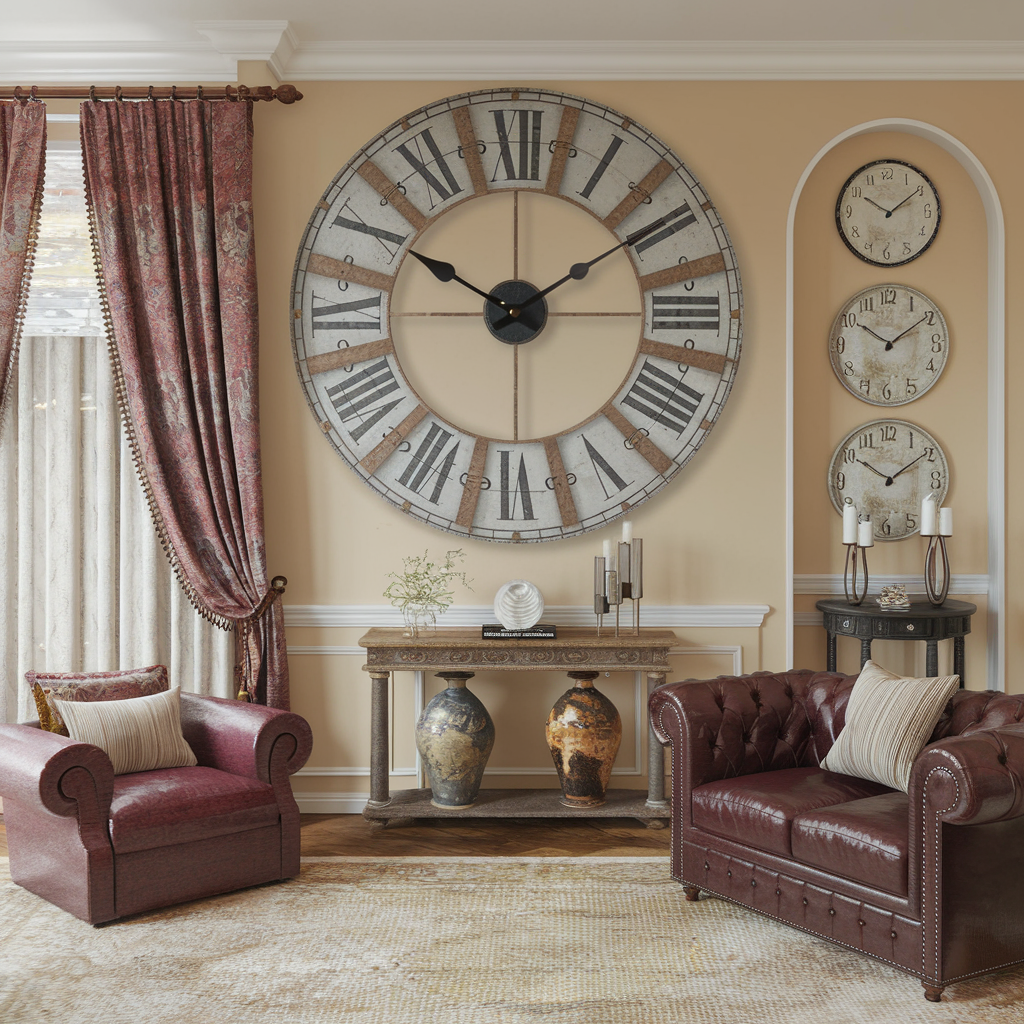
pixel 517 315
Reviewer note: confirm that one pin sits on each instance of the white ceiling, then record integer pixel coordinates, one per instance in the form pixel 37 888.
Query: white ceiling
pixel 82 40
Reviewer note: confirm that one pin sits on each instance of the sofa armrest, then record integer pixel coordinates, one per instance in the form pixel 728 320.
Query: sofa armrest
pixel 973 779
pixel 733 725
pixel 245 739
pixel 43 770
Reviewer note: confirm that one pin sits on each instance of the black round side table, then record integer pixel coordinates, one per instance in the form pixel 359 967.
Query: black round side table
pixel 921 621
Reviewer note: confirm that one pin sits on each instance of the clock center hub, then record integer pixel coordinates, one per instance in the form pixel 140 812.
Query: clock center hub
pixel 525 318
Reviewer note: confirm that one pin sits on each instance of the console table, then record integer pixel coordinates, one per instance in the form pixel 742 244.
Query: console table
pixel 921 621
pixel 577 648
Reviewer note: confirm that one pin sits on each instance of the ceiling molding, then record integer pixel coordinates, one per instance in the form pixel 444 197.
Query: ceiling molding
pixel 291 59
pixel 550 60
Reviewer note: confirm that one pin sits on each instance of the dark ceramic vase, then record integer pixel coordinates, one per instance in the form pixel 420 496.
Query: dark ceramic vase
pixel 454 736
pixel 584 732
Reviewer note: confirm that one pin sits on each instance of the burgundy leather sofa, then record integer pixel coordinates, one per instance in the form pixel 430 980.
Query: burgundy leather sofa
pixel 931 882
pixel 102 846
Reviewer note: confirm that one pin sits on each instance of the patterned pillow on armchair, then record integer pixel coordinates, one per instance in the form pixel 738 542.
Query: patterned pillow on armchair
pixel 90 686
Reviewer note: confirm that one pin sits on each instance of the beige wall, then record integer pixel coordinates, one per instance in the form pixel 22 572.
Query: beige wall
pixel 715 535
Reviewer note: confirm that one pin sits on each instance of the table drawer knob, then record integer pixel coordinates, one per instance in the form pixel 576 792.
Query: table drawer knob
pixel 910 627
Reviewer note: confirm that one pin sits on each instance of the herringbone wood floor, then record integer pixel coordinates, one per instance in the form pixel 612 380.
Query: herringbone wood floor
pixel 349 835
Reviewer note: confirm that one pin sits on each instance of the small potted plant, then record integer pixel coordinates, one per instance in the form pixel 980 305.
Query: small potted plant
pixel 423 589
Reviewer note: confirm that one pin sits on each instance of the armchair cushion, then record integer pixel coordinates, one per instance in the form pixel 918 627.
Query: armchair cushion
pixel 758 810
pixel 138 734
pixel 866 840
pixel 180 805
pixel 90 686
pixel 888 721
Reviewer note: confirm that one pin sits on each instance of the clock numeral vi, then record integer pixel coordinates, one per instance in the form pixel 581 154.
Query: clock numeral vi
pixel 517 495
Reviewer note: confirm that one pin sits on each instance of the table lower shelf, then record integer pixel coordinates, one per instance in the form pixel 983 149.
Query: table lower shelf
pixel 519 803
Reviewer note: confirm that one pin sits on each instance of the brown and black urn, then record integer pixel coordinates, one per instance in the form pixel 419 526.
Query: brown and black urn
pixel 584 732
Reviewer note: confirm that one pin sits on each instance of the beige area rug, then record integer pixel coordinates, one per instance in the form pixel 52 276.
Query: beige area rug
pixel 471 940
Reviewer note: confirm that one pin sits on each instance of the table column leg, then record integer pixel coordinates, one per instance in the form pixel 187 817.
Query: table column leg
pixel 865 651
pixel 931 658
pixel 655 754
pixel 380 794
pixel 958 659
pixel 830 651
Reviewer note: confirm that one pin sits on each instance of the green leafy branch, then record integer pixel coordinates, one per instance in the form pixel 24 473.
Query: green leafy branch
pixel 426 583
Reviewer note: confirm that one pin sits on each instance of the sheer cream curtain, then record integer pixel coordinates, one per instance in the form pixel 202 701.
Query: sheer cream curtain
pixel 86 585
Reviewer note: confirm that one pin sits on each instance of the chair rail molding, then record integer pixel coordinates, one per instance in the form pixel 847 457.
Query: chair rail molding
pixel 996 334
pixel 828 584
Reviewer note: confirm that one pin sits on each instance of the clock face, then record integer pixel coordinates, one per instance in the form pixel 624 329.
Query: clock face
pixel 887 467
pixel 516 315
pixel 888 213
pixel 888 344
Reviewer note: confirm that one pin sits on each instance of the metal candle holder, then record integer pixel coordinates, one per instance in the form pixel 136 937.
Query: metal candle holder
pixel 936 553
pixel 614 586
pixel 853 595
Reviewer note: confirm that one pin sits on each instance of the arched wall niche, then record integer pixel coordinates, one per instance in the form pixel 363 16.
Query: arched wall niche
pixel 964 272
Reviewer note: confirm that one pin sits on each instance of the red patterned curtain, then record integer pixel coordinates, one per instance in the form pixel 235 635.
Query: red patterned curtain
pixel 169 185
pixel 22 162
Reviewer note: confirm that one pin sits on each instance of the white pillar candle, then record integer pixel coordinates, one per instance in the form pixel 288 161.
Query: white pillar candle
pixel 929 517
pixel 627 531
pixel 865 534
pixel 608 554
pixel 849 523
pixel 945 522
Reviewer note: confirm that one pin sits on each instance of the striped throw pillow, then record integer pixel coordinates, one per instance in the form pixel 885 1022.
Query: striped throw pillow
pixel 137 734
pixel 888 721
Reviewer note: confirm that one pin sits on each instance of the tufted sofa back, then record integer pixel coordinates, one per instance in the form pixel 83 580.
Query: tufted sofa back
pixel 772 720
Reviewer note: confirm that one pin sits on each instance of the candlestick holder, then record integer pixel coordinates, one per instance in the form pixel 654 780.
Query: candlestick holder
pixel 855 595
pixel 600 599
pixel 936 570
pixel 613 587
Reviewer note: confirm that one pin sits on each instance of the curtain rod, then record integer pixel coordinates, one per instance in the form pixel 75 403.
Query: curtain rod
pixel 284 93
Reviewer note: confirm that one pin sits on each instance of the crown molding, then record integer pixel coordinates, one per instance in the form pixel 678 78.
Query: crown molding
pixel 227 42
pixel 573 60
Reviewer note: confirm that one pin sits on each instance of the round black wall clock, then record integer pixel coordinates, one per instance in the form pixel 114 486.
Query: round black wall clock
pixel 517 314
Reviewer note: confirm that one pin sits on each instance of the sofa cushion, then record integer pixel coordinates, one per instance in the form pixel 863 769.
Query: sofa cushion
pixel 758 810
pixel 865 840
pixel 180 805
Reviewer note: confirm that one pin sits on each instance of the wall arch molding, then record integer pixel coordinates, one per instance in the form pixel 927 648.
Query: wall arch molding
pixel 996 430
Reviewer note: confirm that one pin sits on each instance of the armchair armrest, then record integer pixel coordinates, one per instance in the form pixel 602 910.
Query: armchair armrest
pixel 972 779
pixel 42 769
pixel 245 739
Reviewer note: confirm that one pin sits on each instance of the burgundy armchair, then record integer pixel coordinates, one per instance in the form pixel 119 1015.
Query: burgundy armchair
pixel 102 846
pixel 931 882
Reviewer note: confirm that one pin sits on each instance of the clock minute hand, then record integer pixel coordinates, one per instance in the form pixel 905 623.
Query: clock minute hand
pixel 872 333
pixel 889 344
pixel 900 203
pixel 578 271
pixel 908 465
pixel 876 206
pixel 888 479
pixel 445 272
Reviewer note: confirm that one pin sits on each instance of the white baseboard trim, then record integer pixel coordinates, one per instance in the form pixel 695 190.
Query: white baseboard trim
pixel 669 616
pixel 829 584
pixel 331 803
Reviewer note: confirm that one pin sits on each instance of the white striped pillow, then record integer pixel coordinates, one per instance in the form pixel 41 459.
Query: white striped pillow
pixel 138 734
pixel 888 721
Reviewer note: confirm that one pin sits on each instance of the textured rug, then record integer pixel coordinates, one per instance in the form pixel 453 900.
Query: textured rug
pixel 464 941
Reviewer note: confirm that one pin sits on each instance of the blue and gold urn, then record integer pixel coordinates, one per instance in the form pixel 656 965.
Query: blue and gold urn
pixel 455 736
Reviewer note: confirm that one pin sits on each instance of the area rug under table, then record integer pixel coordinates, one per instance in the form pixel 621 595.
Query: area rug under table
pixel 470 940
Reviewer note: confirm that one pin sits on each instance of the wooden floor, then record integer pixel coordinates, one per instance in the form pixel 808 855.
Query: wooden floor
pixel 349 835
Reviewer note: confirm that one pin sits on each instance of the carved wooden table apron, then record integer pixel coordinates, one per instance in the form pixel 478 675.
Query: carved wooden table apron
pixel 921 621
pixel 388 650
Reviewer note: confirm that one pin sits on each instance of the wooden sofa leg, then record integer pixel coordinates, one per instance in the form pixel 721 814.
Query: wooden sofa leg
pixel 933 993
pixel 692 893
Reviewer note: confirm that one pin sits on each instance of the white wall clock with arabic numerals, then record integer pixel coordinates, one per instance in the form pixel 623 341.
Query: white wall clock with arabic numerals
pixel 888 344
pixel 888 212
pixel 517 314
pixel 887 467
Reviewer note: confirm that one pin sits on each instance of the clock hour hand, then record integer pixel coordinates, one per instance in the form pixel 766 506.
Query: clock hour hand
pixel 445 272
pixel 577 272
pixel 889 344
pixel 888 479
pixel 872 333
pixel 908 465
pixel 876 206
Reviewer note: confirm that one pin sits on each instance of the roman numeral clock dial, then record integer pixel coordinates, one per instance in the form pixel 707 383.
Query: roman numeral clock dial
pixel 517 315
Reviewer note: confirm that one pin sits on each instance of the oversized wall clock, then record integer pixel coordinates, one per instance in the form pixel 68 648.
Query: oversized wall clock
pixel 887 467
pixel 888 212
pixel 888 344
pixel 517 314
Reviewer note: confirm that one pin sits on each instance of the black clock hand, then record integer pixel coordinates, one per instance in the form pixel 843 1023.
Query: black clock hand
pixel 445 272
pixel 872 333
pixel 888 479
pixel 876 206
pixel 907 466
pixel 889 344
pixel 899 204
pixel 577 272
